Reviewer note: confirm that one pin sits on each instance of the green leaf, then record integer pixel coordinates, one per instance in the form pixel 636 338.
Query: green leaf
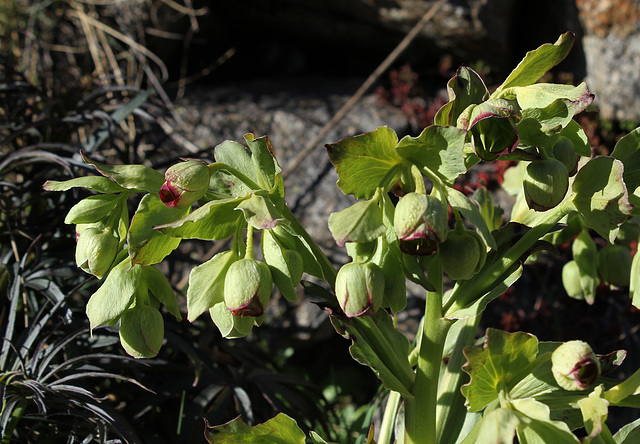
pixel 259 211
pixel 629 434
pixel 264 162
pixel 236 156
pixel 542 95
pixel 98 184
pixel 585 253
pixel 286 266
pixel 366 162
pixel 131 176
pixel 536 427
pixel 142 331
pixel 115 294
pixel 288 238
pixel 496 366
pixel 464 89
pixel 157 282
pixel 469 210
pixel 496 427
pixel 147 245
pixel 361 222
pixel 206 284
pixel 601 196
pixel 574 132
pixel 552 118
pixel 214 220
pixel 627 150
pixel 537 62
pixel 92 209
pixel 278 430
pixel 491 214
pixel 377 344
pixel 437 148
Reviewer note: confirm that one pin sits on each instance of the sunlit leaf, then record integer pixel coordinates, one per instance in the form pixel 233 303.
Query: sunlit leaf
pixel 278 430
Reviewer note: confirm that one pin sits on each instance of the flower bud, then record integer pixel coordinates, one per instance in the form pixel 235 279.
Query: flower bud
pixel 96 250
pixel 247 287
pixel 185 183
pixel 360 288
pixel 420 222
pixel 614 265
pixel 462 254
pixel 575 366
pixel 545 184
pixel 564 151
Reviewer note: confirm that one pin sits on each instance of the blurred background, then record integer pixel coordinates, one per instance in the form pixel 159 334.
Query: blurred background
pixel 149 81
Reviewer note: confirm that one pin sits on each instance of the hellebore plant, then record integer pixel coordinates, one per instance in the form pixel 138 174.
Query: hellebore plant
pixel 444 388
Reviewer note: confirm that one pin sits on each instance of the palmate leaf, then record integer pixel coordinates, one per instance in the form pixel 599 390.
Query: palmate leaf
pixel 131 176
pixel 464 89
pixel 437 148
pixel 497 366
pixel 366 162
pixel 627 150
pixel 278 430
pixel 361 222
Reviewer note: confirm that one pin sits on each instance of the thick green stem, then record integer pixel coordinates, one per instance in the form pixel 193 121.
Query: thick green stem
pixel 466 293
pixel 420 409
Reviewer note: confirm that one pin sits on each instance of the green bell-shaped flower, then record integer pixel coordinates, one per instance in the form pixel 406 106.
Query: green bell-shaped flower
pixel 614 265
pixel 462 254
pixel 545 184
pixel 420 222
pixel 565 152
pixel 575 366
pixel 185 183
pixel 96 250
pixel 360 288
pixel 247 287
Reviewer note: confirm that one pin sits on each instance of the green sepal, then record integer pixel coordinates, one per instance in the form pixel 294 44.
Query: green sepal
pixel 206 283
pixel 98 184
pixel 464 89
pixel 238 157
pixel 377 344
pixel 115 295
pixel 280 429
pixel 230 326
pixel 93 209
pixel 259 211
pixel 215 220
pixel 141 331
pixel 161 289
pixel 366 162
pixel 601 196
pixel 497 366
pixel 537 62
pixel 131 177
pixel 146 244
pixel 361 222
